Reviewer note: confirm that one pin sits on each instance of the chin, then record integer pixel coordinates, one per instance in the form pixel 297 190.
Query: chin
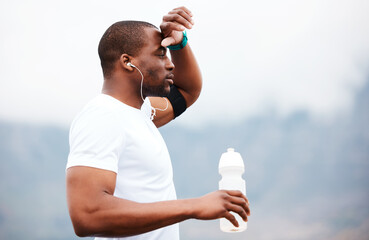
pixel 157 91
pixel 167 91
pixel 162 93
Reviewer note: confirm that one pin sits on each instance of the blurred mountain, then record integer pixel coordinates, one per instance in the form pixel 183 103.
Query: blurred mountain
pixel 32 199
pixel 306 179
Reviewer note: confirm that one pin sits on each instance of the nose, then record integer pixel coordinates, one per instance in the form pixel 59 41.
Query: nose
pixel 169 65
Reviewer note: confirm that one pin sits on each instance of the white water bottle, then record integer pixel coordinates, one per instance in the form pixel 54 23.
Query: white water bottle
pixel 231 168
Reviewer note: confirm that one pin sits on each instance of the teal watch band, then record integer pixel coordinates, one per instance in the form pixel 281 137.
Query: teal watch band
pixel 181 45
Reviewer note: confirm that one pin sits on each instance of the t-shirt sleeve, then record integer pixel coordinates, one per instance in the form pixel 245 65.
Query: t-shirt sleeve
pixel 96 140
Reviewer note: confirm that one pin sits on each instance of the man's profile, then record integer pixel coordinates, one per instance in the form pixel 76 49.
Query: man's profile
pixel 119 173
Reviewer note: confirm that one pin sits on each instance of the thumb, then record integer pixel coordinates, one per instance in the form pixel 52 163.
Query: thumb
pixel 167 41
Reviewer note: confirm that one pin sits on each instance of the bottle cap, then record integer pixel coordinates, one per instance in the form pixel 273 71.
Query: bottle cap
pixel 231 159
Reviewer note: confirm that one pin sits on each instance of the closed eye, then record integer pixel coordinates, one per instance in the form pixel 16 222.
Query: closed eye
pixel 162 52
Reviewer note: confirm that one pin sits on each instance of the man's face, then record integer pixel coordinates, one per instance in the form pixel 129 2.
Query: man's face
pixel 155 65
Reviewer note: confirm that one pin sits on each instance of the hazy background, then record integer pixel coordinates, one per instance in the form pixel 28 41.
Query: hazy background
pixel 285 82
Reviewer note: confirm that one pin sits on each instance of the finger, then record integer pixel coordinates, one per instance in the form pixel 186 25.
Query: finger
pixel 241 202
pixel 178 19
pixel 237 209
pixel 170 26
pixel 237 194
pixel 186 10
pixel 167 41
pixel 231 218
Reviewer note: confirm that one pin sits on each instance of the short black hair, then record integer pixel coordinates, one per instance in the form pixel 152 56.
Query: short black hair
pixel 121 37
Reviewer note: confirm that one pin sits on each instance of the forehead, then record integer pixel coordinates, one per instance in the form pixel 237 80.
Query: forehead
pixel 153 39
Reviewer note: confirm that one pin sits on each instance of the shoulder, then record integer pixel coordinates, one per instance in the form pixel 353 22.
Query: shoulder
pixel 99 115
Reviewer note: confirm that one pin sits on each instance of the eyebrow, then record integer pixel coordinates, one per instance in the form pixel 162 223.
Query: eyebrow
pixel 161 48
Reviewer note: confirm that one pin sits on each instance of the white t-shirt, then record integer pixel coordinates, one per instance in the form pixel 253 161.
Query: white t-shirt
pixel 111 135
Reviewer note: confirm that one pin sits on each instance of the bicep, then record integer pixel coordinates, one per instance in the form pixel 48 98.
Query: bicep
pixel 86 186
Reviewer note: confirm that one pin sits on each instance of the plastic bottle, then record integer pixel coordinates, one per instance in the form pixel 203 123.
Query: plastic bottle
pixel 231 168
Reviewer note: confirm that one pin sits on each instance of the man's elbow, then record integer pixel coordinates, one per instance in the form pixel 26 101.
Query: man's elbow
pixel 81 229
pixel 194 94
pixel 198 87
pixel 91 228
pixel 83 225
pixel 81 232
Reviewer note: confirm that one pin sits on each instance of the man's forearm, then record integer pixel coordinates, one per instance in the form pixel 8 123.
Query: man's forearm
pixel 187 75
pixel 115 217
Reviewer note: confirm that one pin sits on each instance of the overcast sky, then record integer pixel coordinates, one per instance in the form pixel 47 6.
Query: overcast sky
pixel 255 56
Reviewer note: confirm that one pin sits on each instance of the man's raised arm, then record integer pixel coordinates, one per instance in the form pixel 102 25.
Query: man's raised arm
pixel 187 75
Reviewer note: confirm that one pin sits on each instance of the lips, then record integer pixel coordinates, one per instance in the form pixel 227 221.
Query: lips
pixel 169 78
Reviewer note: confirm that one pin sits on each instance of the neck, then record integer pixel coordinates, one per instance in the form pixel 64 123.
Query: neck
pixel 123 90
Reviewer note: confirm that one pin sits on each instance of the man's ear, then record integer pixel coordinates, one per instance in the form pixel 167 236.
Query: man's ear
pixel 124 60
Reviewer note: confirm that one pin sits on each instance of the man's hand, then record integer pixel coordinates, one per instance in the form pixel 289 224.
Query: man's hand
pixel 219 204
pixel 174 23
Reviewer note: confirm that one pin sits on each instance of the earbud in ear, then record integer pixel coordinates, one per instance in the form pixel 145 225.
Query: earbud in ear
pixel 131 65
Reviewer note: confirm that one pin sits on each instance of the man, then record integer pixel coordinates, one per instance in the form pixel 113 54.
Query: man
pixel 119 173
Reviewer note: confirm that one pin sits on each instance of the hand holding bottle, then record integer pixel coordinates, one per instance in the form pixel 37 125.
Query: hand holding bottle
pixel 231 168
pixel 219 204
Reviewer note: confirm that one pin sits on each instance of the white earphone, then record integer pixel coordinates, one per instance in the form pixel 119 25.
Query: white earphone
pixel 131 65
